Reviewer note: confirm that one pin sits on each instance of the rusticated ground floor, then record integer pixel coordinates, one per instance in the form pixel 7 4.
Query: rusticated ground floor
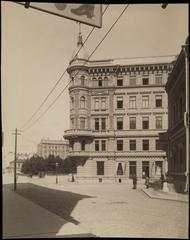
pixel 120 169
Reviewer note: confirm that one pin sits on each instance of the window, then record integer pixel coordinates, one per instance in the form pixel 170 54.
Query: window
pixel 97 124
pixel 82 123
pixel 103 123
pixel 82 102
pixel 132 168
pixel 82 80
pixel 72 102
pixel 105 81
pixel 120 82
pixel 132 144
pixel 103 103
pixel 159 122
pixel 83 145
pixel 145 101
pixel 99 82
pixel 159 101
pixel 119 102
pixel 119 145
pixel 72 123
pixel 119 123
pixel 94 82
pixel 119 169
pixel 158 79
pixel 132 122
pixel 158 145
pixel 103 145
pixel 72 81
pixel 145 144
pixel 100 168
pixel 145 123
pixel 96 145
pixel 132 102
pixel 96 103
pixel 145 81
pixel 132 81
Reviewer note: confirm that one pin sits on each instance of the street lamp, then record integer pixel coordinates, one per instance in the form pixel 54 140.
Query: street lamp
pixel 56 164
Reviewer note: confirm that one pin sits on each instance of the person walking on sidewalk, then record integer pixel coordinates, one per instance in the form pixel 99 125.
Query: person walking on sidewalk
pixel 147 182
pixel 134 181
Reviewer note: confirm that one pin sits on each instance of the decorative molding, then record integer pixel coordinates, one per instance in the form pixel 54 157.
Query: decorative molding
pixel 149 92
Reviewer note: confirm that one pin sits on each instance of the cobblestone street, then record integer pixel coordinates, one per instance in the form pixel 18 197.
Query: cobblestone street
pixel 110 210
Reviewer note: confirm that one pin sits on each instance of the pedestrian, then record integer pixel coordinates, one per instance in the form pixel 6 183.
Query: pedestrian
pixel 147 182
pixel 134 181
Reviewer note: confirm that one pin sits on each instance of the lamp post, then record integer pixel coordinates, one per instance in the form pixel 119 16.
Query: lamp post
pixel 56 164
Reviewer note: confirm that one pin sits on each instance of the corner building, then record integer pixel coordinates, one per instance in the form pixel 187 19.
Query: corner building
pixel 177 139
pixel 117 110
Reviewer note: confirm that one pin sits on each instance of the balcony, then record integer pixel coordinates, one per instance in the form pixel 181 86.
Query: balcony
pixel 125 154
pixel 75 133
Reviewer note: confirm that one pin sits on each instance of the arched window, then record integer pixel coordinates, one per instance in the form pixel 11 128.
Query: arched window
pixel 82 102
pixel 99 82
pixel 94 82
pixel 82 80
pixel 72 102
pixel 106 81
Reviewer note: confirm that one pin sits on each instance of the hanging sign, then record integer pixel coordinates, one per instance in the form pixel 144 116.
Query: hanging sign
pixel 90 14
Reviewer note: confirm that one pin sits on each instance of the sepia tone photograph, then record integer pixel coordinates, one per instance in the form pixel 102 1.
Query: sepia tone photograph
pixel 95 120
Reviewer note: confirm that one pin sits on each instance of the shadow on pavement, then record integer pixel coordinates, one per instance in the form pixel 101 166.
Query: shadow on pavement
pixel 58 202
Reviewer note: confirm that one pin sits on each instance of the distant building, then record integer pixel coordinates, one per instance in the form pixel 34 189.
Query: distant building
pixel 175 88
pixel 118 108
pixel 52 147
pixel 21 158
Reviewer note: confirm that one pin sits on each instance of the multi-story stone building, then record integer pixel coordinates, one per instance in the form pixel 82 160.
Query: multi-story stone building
pixel 177 129
pixel 52 147
pixel 117 110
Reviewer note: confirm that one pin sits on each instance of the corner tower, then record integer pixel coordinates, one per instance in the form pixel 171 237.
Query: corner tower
pixel 79 134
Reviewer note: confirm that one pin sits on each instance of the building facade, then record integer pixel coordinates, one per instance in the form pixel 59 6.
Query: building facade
pixel 176 89
pixel 48 147
pixel 21 158
pixel 118 108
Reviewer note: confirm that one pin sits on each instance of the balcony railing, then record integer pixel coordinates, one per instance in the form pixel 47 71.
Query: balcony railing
pixel 73 133
pixel 116 154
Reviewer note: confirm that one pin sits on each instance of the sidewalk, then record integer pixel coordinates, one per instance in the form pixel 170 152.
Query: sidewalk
pixel 24 219
pixel 160 194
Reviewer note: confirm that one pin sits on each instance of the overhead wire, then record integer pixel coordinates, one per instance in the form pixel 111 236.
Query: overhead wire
pixel 79 70
pixel 58 81
pixel 29 140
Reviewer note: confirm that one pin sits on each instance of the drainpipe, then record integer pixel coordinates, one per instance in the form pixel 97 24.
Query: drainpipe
pixel 186 115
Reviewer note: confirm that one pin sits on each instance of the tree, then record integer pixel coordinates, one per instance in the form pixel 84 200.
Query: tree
pixel 34 165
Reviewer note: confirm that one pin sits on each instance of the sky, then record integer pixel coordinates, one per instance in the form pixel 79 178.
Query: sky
pixel 37 48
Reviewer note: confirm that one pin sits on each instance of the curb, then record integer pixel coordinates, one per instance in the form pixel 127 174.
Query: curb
pixel 162 198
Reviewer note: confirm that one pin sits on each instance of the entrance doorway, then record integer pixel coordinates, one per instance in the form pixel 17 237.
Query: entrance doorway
pixel 132 169
pixel 145 169
pixel 158 168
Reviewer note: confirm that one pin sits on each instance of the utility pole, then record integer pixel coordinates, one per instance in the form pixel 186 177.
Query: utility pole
pixel 15 167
